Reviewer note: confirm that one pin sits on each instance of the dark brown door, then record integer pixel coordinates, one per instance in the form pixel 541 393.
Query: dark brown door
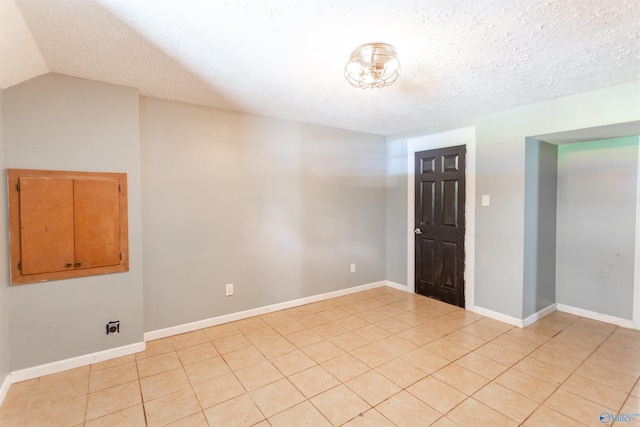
pixel 439 227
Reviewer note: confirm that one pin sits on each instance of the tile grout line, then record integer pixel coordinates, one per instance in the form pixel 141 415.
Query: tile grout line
pixel 371 304
pixel 572 372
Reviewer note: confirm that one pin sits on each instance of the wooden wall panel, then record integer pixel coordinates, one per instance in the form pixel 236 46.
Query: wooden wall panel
pixel 66 224
pixel 46 224
pixel 97 223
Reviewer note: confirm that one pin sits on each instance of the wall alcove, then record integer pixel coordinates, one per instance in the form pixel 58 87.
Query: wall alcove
pixel 582 224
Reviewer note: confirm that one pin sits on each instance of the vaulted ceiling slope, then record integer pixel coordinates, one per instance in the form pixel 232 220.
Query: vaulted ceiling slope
pixel 285 59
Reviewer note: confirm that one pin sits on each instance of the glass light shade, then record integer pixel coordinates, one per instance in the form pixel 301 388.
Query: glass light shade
pixel 372 65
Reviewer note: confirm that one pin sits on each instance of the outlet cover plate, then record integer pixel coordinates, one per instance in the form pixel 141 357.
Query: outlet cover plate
pixel 113 327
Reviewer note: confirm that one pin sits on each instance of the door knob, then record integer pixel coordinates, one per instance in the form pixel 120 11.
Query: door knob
pixel 417 231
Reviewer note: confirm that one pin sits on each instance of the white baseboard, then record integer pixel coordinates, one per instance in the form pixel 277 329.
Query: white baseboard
pixel 4 388
pixel 397 286
pixel 539 315
pixel 548 310
pixel 75 362
pixel 213 321
pixel 497 316
pixel 625 323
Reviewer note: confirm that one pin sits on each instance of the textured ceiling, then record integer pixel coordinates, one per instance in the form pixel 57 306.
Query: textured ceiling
pixel 284 58
pixel 20 58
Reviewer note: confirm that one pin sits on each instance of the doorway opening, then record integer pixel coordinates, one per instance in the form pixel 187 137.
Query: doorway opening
pixel 582 224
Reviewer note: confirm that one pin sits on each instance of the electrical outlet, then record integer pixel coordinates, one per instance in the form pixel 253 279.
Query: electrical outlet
pixel 113 327
pixel 353 267
pixel 229 289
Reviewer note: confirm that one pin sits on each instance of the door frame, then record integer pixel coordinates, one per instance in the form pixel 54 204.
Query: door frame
pixel 463 136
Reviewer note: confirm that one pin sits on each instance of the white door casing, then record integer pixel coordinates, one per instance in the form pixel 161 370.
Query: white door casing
pixel 463 136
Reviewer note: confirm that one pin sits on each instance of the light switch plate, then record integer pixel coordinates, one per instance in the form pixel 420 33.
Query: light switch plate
pixel 486 200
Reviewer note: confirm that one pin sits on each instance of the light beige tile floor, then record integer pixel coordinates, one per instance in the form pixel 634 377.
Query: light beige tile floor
pixel 376 358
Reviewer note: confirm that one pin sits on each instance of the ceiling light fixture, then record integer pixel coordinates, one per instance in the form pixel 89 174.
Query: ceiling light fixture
pixel 372 65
